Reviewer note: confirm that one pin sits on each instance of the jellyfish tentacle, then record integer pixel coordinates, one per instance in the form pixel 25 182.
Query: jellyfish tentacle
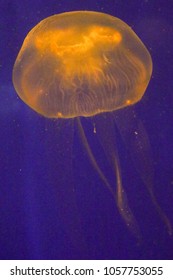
pixel 159 210
pixel 136 140
pixel 118 194
pixel 107 138
pixel 92 158
pixel 122 203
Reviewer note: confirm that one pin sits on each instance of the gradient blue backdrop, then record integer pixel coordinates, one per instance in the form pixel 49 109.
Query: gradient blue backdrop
pixel 53 204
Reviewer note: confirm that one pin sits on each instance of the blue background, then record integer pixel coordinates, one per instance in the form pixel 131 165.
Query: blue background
pixel 53 204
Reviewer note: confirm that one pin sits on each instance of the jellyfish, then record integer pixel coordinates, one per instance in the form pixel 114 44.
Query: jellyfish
pixel 92 65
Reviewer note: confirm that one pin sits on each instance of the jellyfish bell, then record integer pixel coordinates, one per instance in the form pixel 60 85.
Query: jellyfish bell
pixel 82 64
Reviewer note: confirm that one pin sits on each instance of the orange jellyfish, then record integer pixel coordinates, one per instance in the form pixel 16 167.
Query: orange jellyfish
pixel 90 64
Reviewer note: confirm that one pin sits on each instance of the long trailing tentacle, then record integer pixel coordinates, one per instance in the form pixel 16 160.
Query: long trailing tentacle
pixel 136 139
pixel 92 158
pixel 106 136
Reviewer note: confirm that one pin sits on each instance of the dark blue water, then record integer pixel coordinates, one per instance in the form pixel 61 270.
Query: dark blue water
pixel 53 203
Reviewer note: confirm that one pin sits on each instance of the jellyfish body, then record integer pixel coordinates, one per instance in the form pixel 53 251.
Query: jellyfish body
pixel 83 64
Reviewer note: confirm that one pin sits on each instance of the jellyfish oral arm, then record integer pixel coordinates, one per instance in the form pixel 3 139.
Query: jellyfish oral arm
pixel 137 142
pixel 118 193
